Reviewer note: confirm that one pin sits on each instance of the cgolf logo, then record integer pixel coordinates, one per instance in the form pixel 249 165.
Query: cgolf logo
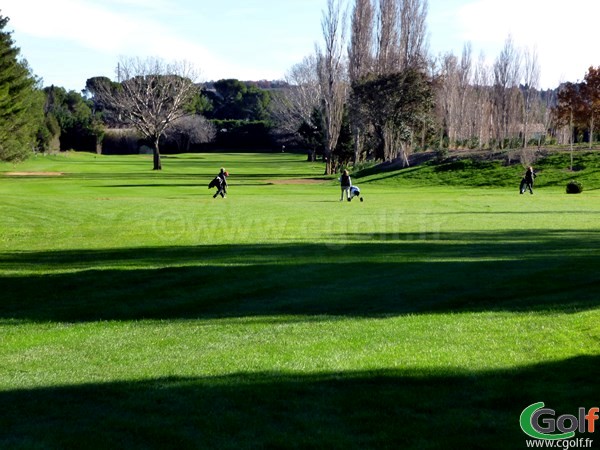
pixel 540 423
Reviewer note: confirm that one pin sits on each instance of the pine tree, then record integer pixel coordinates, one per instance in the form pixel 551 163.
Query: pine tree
pixel 21 110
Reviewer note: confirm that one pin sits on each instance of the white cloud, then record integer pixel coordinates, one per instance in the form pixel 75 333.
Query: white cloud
pixel 557 29
pixel 120 32
pixel 68 41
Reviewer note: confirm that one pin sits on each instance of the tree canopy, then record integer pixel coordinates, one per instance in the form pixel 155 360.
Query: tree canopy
pixel 80 126
pixel 235 100
pixel 578 105
pixel 395 105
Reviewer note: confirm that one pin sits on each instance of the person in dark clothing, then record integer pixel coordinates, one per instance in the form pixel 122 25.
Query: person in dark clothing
pixel 220 182
pixel 345 183
pixel 527 181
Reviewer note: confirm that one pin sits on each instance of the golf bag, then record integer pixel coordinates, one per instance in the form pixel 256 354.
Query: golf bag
pixel 525 186
pixel 216 182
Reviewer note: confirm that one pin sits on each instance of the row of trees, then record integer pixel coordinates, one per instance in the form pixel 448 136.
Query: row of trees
pixel 490 106
pixel 373 85
pixel 371 91
pixel 34 119
pixel 374 76
pixel 162 102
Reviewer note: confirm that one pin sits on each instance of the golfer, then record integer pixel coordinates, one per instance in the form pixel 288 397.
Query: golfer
pixel 355 192
pixel 221 183
pixel 527 181
pixel 345 183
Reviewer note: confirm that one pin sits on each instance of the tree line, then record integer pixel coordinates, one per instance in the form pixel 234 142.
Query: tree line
pixel 373 87
pixel 152 102
pixel 371 90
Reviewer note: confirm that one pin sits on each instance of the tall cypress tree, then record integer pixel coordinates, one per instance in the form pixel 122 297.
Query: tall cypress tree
pixel 21 110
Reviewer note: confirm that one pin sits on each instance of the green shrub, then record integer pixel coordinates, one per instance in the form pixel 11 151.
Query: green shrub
pixel 441 154
pixel 574 187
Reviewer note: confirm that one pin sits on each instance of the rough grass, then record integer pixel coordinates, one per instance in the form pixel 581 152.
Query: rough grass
pixel 138 312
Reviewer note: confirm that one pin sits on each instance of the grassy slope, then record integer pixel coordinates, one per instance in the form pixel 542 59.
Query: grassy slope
pixel 139 312
pixel 553 172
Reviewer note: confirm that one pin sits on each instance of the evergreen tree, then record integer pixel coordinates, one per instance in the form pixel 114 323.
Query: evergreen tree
pixel 80 128
pixel 21 107
pixel 398 106
pixel 236 100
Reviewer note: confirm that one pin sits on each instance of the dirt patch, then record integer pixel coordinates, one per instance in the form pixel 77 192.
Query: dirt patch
pixel 34 174
pixel 297 181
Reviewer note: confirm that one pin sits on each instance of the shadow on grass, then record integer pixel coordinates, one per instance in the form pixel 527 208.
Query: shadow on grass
pixel 378 275
pixel 350 410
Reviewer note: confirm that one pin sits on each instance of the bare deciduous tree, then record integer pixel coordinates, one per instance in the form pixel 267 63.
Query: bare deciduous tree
pixel 413 33
pixel 447 96
pixel 464 80
pixel 507 75
pixel 151 95
pixel 531 80
pixel 190 130
pixel 387 37
pixel 295 105
pixel 360 50
pixel 457 97
pixel 360 62
pixel 401 35
pixel 332 77
pixel 482 105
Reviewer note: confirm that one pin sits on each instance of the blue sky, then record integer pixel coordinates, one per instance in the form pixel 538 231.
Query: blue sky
pixel 68 41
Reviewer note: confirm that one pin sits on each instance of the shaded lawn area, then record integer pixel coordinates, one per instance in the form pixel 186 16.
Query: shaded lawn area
pixel 378 275
pixel 379 409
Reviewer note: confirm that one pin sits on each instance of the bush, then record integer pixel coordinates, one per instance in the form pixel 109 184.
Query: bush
pixel 441 154
pixel 574 187
pixel 121 141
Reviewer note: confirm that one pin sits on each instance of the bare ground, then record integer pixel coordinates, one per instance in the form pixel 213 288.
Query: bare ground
pixel 34 174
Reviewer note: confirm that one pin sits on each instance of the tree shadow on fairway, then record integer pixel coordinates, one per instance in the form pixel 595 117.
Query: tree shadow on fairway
pixel 362 275
pixel 348 410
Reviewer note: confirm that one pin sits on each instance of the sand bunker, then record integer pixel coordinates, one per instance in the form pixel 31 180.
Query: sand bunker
pixel 34 174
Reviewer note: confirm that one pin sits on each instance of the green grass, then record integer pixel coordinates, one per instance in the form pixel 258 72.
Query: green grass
pixel 138 312
pixel 553 170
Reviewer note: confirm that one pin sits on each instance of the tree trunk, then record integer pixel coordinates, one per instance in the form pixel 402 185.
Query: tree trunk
pixel 157 162
pixel 572 137
pixel 357 144
pixel 404 149
pixel 591 130
pixel 98 146
pixel 329 165
pixel 525 131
